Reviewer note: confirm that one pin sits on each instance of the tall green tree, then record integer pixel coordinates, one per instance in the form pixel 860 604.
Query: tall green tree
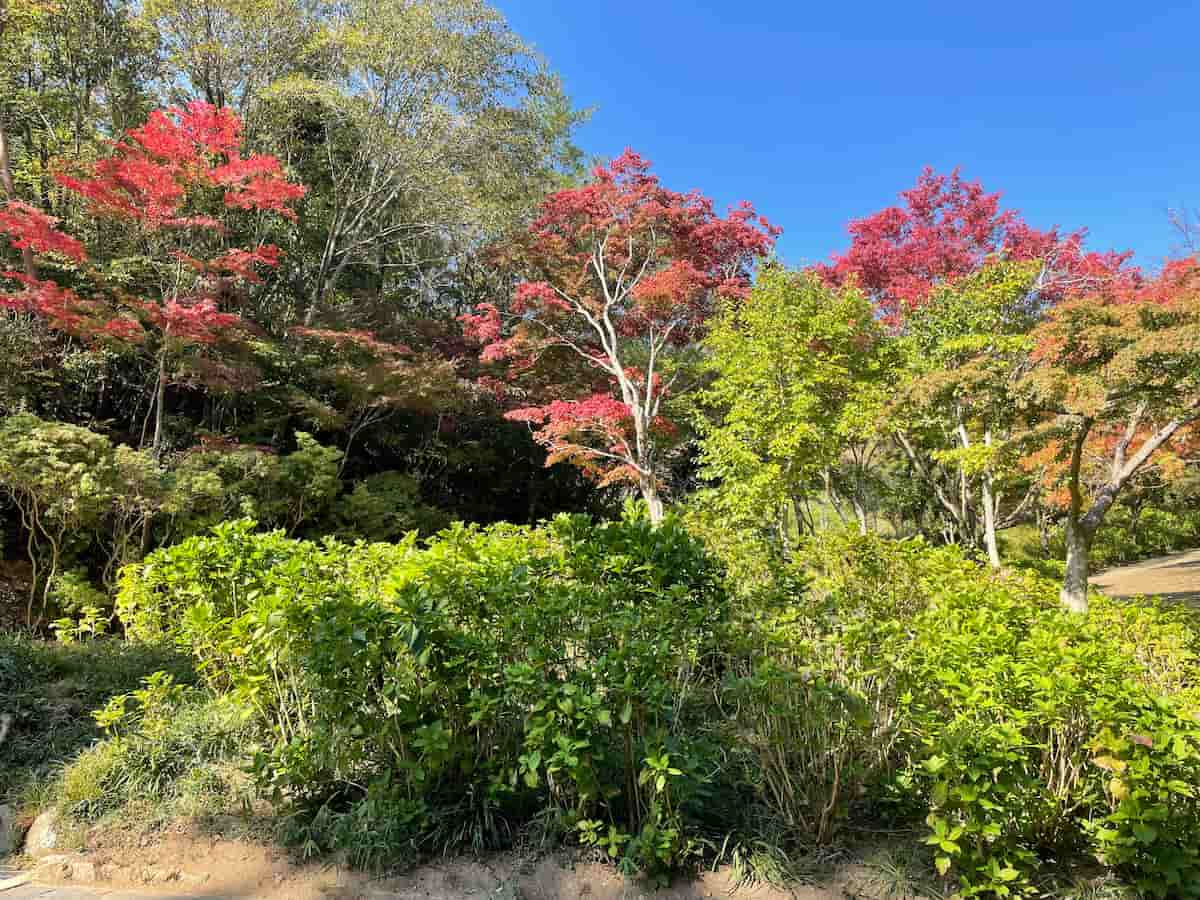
pixel 424 130
pixel 798 371
pixel 956 412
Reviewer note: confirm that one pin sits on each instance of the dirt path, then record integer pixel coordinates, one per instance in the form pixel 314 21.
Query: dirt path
pixel 43 892
pixel 1175 577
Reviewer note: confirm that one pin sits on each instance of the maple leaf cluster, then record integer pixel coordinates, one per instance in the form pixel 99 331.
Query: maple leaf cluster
pixel 62 308
pixel 154 170
pixel 157 176
pixel 31 229
pixel 572 429
pixel 619 261
pixel 650 257
pixel 948 228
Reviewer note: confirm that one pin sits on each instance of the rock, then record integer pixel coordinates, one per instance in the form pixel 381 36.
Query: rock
pixel 53 867
pixel 194 879
pixel 10 834
pixel 43 836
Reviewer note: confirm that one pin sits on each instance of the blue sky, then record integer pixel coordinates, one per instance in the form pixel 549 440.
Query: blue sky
pixel 1082 114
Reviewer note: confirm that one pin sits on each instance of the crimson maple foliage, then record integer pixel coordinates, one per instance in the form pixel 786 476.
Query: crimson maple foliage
pixel 621 274
pixel 165 179
pixel 948 228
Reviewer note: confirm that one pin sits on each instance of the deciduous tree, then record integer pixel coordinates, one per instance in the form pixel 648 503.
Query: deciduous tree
pixel 798 385
pixel 1118 374
pixel 948 228
pixel 623 275
pixel 956 411
pixel 167 181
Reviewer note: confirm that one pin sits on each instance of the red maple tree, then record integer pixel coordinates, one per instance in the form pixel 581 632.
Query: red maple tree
pixel 169 180
pixel 948 228
pixel 622 274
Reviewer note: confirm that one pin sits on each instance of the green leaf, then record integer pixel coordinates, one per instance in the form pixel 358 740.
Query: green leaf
pixel 627 712
pixel 1146 834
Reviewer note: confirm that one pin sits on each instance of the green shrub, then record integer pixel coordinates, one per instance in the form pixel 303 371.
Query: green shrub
pixel 448 692
pixel 1007 708
pixel 383 507
pixel 598 680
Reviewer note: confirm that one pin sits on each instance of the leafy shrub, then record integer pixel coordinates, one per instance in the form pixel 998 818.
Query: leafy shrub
pixel 383 507
pixel 1154 532
pixel 438 696
pixel 598 679
pixel 1012 713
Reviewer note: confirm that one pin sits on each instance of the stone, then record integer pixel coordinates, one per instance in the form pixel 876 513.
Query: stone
pixel 10 833
pixel 84 871
pixel 53 867
pixel 44 836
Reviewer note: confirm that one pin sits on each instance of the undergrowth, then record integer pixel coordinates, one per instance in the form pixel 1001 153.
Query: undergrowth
pixel 599 685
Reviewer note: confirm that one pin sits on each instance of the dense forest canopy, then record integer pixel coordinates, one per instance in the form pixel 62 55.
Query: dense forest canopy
pixel 241 233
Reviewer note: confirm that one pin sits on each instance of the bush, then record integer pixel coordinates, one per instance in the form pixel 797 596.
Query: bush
pixel 1012 714
pixel 597 680
pixel 440 696
pixel 1155 532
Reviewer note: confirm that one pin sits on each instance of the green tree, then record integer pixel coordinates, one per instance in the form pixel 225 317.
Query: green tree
pixel 798 369
pixel 422 129
pixel 62 479
pixel 956 413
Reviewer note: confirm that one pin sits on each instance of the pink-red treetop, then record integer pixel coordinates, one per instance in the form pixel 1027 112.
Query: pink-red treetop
pixel 163 179
pixel 156 178
pixel 621 272
pixel 947 228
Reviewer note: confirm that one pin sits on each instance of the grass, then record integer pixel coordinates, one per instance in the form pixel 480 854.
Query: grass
pixel 47 693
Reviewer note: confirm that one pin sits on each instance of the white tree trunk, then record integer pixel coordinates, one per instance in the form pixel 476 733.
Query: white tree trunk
pixel 653 500
pixel 1074 593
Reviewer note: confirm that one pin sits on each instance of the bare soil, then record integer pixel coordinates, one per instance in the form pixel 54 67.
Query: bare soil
pixel 189 861
pixel 1175 577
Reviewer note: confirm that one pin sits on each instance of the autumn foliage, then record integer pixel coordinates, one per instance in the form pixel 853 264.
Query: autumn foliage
pixel 948 228
pixel 621 274
pixel 155 179
pixel 170 180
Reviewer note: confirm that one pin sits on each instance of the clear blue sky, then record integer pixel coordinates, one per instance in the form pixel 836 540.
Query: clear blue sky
pixel 1082 114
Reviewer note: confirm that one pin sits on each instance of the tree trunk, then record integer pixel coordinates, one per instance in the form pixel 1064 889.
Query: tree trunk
pixel 654 503
pixel 160 398
pixel 989 522
pixel 10 193
pixel 860 513
pixel 1075 584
